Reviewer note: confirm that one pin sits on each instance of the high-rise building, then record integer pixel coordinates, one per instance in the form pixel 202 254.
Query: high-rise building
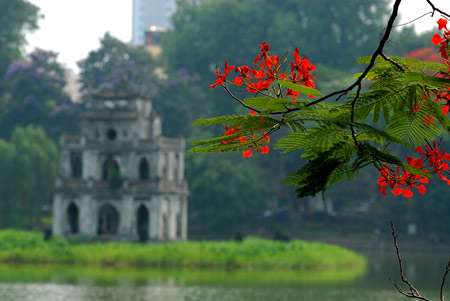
pixel 150 14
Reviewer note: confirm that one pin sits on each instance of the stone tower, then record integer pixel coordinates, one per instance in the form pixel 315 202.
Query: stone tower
pixel 120 179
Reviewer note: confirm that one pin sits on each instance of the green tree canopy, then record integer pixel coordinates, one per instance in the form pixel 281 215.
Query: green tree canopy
pixel 327 31
pixel 28 166
pixel 35 95
pixel 17 17
pixel 118 65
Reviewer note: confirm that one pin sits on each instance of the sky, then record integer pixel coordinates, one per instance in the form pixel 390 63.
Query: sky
pixel 73 27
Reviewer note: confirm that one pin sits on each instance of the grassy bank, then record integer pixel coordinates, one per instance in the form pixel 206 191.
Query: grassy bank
pixel 18 247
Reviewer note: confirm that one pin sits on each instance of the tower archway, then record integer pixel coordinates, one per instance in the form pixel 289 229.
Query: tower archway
pixel 143 223
pixel 73 218
pixel 108 220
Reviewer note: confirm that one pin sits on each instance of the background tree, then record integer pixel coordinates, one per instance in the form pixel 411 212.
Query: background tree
pixel 116 63
pixel 28 166
pixel 35 95
pixel 18 17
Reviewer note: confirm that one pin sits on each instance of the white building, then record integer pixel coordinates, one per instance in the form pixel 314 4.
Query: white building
pixel 120 178
pixel 150 14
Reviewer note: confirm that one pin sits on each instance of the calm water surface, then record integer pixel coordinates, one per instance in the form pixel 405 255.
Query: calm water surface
pixel 65 284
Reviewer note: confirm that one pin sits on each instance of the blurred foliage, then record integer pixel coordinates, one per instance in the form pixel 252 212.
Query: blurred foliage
pixel 116 64
pixel 17 18
pixel 35 95
pixel 28 166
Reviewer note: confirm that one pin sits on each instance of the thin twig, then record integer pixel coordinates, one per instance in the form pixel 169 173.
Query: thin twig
pixel 436 9
pixel 413 291
pixel 352 116
pixel 239 100
pixel 444 278
pixel 388 59
pixel 412 21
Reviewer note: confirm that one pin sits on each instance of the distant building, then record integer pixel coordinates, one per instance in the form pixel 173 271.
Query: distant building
pixel 119 178
pixel 148 14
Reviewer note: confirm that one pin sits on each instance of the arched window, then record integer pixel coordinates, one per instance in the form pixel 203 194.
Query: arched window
pixel 73 218
pixel 108 220
pixel 76 164
pixel 144 170
pixel 143 223
pixel 111 134
pixel 110 168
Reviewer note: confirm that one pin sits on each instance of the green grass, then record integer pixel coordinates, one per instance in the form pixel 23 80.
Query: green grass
pixel 251 254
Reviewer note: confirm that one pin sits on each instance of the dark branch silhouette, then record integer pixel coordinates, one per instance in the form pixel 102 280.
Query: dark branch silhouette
pixel 436 9
pixel 411 291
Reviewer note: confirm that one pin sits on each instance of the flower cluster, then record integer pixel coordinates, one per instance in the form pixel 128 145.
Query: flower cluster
pixel 403 182
pixel 253 142
pixel 437 160
pixel 442 40
pixel 443 97
pixel 265 70
pixel 400 181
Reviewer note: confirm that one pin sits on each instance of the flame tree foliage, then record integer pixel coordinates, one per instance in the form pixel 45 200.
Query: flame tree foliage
pixel 286 25
pixel 406 104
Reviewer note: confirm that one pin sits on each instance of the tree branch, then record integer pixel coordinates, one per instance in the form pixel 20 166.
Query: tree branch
pixel 358 82
pixel 444 278
pixel 436 9
pixel 413 293
pixel 239 100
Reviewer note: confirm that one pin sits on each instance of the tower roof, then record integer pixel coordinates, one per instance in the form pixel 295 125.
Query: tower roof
pixel 122 90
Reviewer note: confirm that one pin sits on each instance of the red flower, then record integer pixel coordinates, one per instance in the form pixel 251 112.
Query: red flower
pixel 437 39
pixel 397 191
pixel 407 193
pixel 292 93
pixel 264 150
pixel 221 78
pixel 252 112
pixel 422 189
pixel 416 163
pixel 442 23
pixel 260 74
pixel 247 153
pixel 238 81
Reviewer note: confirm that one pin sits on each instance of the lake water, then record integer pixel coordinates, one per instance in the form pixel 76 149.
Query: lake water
pixel 72 284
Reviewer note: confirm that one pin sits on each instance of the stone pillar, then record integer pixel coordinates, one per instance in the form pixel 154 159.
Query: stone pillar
pixel 172 218
pixel 65 164
pixel 155 216
pixel 127 218
pixel 88 216
pixel 181 167
pixel 58 215
pixel 91 165
pixel 184 217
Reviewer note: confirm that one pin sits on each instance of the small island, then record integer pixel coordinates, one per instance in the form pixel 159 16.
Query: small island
pixel 22 248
